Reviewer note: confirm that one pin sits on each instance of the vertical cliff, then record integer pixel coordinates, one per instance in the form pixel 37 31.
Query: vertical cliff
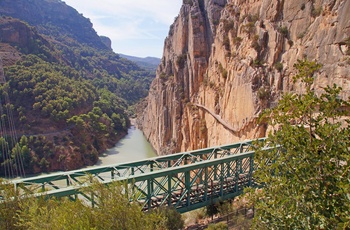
pixel 226 61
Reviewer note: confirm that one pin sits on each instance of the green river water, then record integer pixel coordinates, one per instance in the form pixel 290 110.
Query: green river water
pixel 134 146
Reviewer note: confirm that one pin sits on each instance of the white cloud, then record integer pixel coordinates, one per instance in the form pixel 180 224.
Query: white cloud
pixel 138 20
pixel 161 10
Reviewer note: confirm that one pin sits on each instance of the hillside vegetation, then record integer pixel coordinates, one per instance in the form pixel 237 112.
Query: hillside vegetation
pixel 69 93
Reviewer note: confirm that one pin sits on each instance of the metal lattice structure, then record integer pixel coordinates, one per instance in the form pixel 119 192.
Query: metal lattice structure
pixel 186 181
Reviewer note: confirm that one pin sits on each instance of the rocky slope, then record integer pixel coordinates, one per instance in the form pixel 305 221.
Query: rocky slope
pixel 226 61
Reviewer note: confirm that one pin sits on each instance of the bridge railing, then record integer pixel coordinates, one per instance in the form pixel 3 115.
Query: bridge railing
pixel 185 180
pixel 196 185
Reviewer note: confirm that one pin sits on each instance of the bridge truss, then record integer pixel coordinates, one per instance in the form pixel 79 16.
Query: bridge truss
pixel 186 181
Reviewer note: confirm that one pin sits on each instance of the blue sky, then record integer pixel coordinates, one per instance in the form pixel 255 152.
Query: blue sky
pixel 136 27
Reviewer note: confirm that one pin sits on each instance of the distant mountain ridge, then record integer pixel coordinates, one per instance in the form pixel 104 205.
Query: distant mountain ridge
pixel 149 63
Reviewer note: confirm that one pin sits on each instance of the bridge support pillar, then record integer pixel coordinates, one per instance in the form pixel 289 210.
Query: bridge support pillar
pixel 251 169
pixel 169 190
pixel 188 188
pixel 149 193
pixel 237 175
pixel 206 184
pixel 222 166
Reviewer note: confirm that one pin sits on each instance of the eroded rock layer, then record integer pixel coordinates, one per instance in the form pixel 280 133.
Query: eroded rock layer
pixel 224 62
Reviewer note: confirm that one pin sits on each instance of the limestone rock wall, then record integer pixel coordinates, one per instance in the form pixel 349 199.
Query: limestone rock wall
pixel 226 61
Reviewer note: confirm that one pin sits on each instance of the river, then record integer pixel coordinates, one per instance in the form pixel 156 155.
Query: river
pixel 134 146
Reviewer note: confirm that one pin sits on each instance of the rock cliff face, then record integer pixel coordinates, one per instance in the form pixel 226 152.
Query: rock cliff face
pixel 107 41
pixel 53 18
pixel 226 61
pixel 16 33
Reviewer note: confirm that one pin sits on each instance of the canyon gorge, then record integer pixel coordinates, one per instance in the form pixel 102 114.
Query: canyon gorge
pixel 224 62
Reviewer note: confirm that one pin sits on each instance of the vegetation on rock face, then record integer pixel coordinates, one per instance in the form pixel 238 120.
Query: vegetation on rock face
pixel 305 183
pixel 180 61
pixel 284 31
pixel 278 66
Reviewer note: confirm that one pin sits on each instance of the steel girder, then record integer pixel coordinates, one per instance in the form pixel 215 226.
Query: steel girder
pixel 184 180
pixel 189 187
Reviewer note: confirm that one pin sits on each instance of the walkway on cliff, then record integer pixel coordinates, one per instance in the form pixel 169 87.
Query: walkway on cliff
pixel 224 123
pixel 218 118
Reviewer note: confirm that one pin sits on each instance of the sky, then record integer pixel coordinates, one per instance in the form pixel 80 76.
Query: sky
pixel 136 27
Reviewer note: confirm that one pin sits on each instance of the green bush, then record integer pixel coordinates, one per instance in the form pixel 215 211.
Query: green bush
pixel 278 66
pixel 181 60
pixel 257 63
pixel 162 76
pixel 284 31
pixel 218 226
pixel 237 40
pixel 226 42
pixel 173 219
pixel 249 27
pixel 113 211
pixel 315 12
pixel 228 25
pixel 211 210
pixel 263 93
pixel 223 71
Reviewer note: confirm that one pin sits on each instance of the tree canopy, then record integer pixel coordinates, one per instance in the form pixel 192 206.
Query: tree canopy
pixel 305 182
pixel 112 210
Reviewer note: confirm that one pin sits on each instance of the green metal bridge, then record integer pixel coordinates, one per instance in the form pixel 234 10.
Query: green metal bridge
pixel 186 181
